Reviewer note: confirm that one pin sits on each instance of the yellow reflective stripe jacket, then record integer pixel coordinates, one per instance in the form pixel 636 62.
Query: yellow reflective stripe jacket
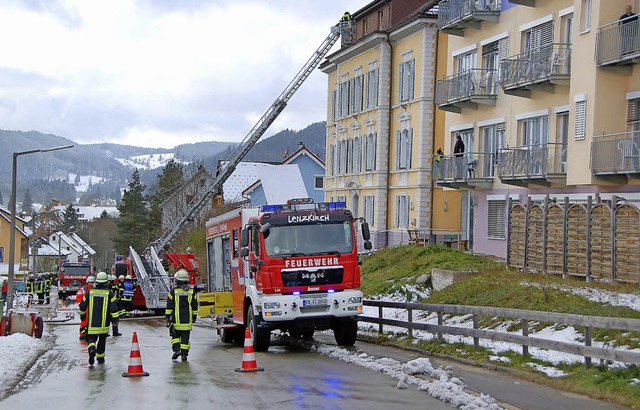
pixel 183 307
pixel 101 307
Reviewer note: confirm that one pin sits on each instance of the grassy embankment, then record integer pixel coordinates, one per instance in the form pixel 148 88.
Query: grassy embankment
pixel 385 271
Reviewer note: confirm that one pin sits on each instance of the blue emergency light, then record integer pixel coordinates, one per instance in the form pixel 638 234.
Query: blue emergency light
pixel 337 205
pixel 271 208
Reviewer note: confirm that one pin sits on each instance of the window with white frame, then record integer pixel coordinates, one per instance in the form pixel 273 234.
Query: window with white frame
pixel 633 115
pixel 334 104
pixel 492 54
pixel 403 148
pixel 580 124
pixel 350 156
pixel 357 153
pixel 407 77
pixel 341 198
pixel 1 253
pixel 318 182
pixel 343 109
pixel 497 219
pixel 534 131
pixel 493 137
pixel 537 36
pixel 372 86
pixel 370 152
pixel 402 211
pixel 465 61
pixel 585 16
pixel 562 137
pixel 333 165
pixel 368 209
pixel 342 167
pixel 357 88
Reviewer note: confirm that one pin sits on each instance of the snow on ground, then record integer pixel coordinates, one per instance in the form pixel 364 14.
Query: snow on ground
pixel 149 161
pixel 549 371
pixel 567 334
pixel 630 300
pixel 85 181
pixel 17 352
pixel 443 386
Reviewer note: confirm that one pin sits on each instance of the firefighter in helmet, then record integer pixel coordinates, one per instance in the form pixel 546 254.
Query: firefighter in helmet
pixel 98 306
pixel 120 293
pixel 182 308
pixel 113 286
pixel 47 288
pixel 40 288
pixel 81 292
pixel 31 287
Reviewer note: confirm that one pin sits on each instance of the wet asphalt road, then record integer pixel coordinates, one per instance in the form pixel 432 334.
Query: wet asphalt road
pixel 294 378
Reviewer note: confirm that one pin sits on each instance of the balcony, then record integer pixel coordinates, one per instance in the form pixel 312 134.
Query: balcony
pixel 454 16
pixel 618 44
pixel 615 154
pixel 466 90
pixel 540 68
pixel 471 170
pixel 541 164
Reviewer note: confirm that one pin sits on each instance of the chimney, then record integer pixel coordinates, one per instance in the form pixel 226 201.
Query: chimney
pixel 300 145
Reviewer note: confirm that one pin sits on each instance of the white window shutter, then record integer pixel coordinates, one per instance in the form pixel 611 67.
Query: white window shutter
pixel 401 85
pixel 580 120
pixel 409 147
pixel 412 71
pixel 398 149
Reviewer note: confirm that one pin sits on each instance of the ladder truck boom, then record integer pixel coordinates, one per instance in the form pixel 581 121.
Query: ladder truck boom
pixel 214 184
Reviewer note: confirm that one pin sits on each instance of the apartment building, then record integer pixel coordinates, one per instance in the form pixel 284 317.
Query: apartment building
pixel 381 122
pixel 545 95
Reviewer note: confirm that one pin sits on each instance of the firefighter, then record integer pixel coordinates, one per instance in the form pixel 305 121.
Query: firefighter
pixel 31 288
pixel 127 296
pixel 120 293
pixel 40 289
pixel 98 306
pixel 113 286
pixel 81 292
pixel 182 308
pixel 47 289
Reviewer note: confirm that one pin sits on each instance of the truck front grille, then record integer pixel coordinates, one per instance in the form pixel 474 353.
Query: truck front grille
pixel 314 309
pixel 302 277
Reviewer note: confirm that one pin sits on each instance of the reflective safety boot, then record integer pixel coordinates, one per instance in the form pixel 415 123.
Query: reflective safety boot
pixel 175 355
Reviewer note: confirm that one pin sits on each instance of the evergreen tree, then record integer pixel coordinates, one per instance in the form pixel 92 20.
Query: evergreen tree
pixel 76 181
pixel 133 225
pixel 69 218
pixel 171 178
pixel 27 202
pixel 104 214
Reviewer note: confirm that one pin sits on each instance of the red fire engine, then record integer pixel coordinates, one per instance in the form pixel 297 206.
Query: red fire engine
pixel 291 267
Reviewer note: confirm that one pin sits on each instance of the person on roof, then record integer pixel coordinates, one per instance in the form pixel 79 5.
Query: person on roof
pixel 181 312
pixel 98 306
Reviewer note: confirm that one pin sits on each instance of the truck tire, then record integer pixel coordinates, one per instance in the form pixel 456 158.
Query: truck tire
pixel 346 333
pixel 261 337
pixel 226 335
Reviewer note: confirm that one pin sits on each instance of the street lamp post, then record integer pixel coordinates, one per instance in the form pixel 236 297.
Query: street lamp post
pixel 34 214
pixel 12 232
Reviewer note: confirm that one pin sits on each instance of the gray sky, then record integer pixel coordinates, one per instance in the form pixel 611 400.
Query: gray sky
pixel 159 73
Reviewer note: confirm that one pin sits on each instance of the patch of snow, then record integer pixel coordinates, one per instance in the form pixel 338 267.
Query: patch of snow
pixel 85 181
pixel 635 381
pixel 549 371
pixel 501 359
pixel 443 386
pixel 629 300
pixel 149 161
pixel 17 351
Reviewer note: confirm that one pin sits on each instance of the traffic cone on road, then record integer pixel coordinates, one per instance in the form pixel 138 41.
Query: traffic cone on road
pixel 135 360
pixel 249 363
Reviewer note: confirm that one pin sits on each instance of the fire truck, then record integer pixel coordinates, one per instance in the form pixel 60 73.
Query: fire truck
pixel 292 267
pixel 148 266
pixel 71 277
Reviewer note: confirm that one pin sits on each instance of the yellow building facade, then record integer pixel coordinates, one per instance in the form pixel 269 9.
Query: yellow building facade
pixel 21 241
pixel 545 97
pixel 382 120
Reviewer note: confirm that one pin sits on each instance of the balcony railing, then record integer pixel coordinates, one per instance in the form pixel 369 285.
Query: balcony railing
pixel 469 167
pixel 618 43
pixel 539 161
pixel 348 33
pixel 475 86
pixel 547 64
pixel 456 15
pixel 615 154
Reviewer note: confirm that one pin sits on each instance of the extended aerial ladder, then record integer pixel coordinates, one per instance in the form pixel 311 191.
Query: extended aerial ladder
pixel 152 277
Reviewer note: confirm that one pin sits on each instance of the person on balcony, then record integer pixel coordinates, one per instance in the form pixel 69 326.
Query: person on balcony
pixel 628 31
pixel 458 152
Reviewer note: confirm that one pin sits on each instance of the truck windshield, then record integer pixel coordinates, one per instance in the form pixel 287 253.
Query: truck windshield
pixel 76 270
pixel 302 240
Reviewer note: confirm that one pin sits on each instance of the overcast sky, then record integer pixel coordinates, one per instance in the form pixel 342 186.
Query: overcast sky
pixel 159 73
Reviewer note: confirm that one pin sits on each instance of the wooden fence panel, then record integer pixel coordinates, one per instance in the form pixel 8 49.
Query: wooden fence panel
pixel 517 231
pixel 601 226
pixel 627 244
pixel 577 240
pixel 535 238
pixel 555 239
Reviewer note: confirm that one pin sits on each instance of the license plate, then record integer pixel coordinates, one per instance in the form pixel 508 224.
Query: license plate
pixel 314 302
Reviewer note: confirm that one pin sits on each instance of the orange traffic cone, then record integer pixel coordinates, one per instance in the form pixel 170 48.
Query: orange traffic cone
pixel 135 360
pixel 249 363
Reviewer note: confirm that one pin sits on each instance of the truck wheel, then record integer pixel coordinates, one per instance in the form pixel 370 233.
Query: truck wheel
pixel 261 337
pixel 307 334
pixel 345 333
pixel 226 335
